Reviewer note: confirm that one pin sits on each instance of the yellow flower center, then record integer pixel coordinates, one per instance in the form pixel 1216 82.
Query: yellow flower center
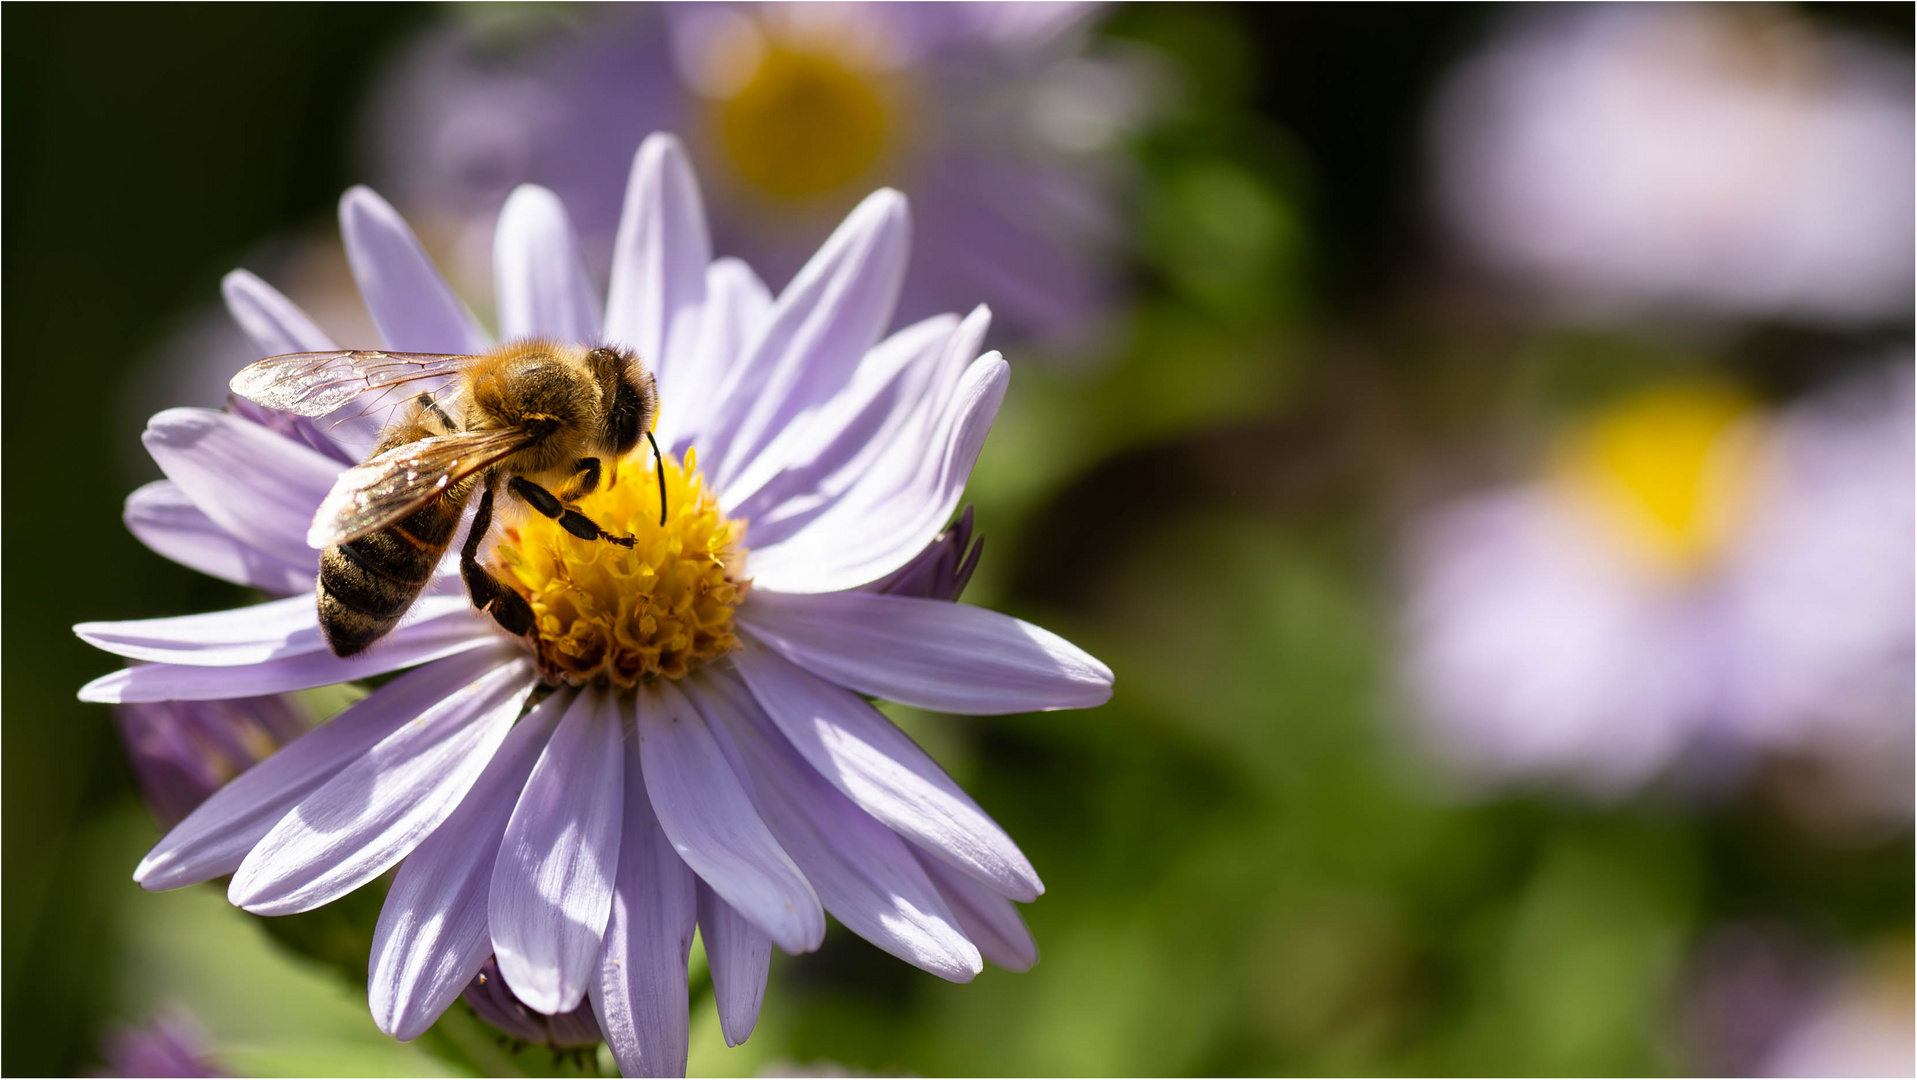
pixel 609 614
pixel 805 123
pixel 1669 471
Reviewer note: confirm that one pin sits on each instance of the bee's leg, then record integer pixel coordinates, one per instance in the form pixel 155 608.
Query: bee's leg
pixel 585 480
pixel 508 608
pixel 569 519
pixel 427 406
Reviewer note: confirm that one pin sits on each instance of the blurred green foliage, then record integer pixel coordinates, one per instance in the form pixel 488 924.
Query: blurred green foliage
pixel 1250 867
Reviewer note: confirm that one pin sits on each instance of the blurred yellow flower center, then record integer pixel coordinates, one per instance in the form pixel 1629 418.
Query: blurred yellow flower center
pixel 804 123
pixel 1669 470
pixel 609 614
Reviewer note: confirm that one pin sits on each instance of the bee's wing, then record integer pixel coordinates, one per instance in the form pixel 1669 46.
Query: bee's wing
pixel 381 492
pixel 316 383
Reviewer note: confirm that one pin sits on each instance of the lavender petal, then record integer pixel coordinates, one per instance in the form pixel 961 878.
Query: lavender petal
pixel 639 994
pixel 882 770
pixel 165 520
pixel 887 517
pixel 262 488
pixel 929 653
pixel 213 839
pixel 709 816
pixel 375 811
pixel 408 300
pixel 988 919
pixel 552 882
pixel 821 325
pixel 539 278
pixel 736 306
pixel 659 264
pixel 275 324
pixel 412 643
pixel 803 463
pixel 864 874
pixel 739 955
pixel 432 937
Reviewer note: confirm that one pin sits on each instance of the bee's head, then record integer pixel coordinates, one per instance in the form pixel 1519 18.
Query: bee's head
pixel 634 400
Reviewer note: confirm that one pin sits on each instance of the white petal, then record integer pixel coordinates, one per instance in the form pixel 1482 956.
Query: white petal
pixel 639 992
pixel 824 321
pixel 990 920
pixel 864 874
pixel 539 279
pixel 216 836
pixel 409 301
pixel 377 809
pixel 809 462
pixel 413 643
pixel 736 307
pixel 260 487
pixel 887 517
pixel 739 955
pixel 552 882
pixel 709 817
pixel 659 263
pixel 241 636
pixel 934 654
pixel 166 520
pixel 275 324
pixel 432 934
pixel 878 767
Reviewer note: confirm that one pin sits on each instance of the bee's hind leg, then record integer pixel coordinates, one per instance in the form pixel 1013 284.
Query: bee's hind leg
pixel 569 519
pixel 508 608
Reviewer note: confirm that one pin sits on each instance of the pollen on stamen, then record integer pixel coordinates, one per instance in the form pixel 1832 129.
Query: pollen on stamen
pixel 614 615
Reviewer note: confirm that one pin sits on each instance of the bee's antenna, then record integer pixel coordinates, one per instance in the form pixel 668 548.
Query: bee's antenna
pixel 659 466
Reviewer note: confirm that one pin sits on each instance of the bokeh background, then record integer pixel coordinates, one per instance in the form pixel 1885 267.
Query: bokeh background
pixel 1478 438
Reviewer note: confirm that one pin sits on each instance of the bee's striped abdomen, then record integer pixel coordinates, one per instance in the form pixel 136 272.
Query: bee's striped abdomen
pixel 366 585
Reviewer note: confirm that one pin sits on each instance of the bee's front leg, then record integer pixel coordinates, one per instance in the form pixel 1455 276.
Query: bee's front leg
pixel 585 480
pixel 569 519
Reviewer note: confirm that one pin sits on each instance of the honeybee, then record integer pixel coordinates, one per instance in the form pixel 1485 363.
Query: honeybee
pixel 537 415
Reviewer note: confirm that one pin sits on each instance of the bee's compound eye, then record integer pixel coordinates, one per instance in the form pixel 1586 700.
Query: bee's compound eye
pixel 627 419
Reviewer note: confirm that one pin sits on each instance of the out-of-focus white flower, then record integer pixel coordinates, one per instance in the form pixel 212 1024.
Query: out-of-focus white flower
pixel 1691 574
pixel 1727 158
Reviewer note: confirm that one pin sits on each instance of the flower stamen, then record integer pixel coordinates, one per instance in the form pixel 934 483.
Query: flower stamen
pixel 614 615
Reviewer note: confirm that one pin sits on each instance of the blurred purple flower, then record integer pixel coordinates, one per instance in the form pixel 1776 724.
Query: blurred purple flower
pixel 1728 158
pixel 498 1006
pixel 1859 1024
pixel 1691 577
pixel 746 792
pixel 170 1045
pixel 1745 988
pixel 993 115
pixel 183 751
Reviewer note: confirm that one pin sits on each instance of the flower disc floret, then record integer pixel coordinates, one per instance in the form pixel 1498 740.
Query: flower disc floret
pixel 609 614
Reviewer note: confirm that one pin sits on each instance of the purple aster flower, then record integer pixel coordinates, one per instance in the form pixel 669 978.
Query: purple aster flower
pixel 685 740
pixel 1692 575
pixel 994 116
pixel 183 751
pixel 498 1006
pixel 1713 157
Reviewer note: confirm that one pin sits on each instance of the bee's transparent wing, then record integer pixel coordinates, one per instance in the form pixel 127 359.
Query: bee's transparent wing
pixel 316 383
pixel 384 490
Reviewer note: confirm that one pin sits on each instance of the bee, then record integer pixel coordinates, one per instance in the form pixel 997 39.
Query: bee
pixel 530 416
